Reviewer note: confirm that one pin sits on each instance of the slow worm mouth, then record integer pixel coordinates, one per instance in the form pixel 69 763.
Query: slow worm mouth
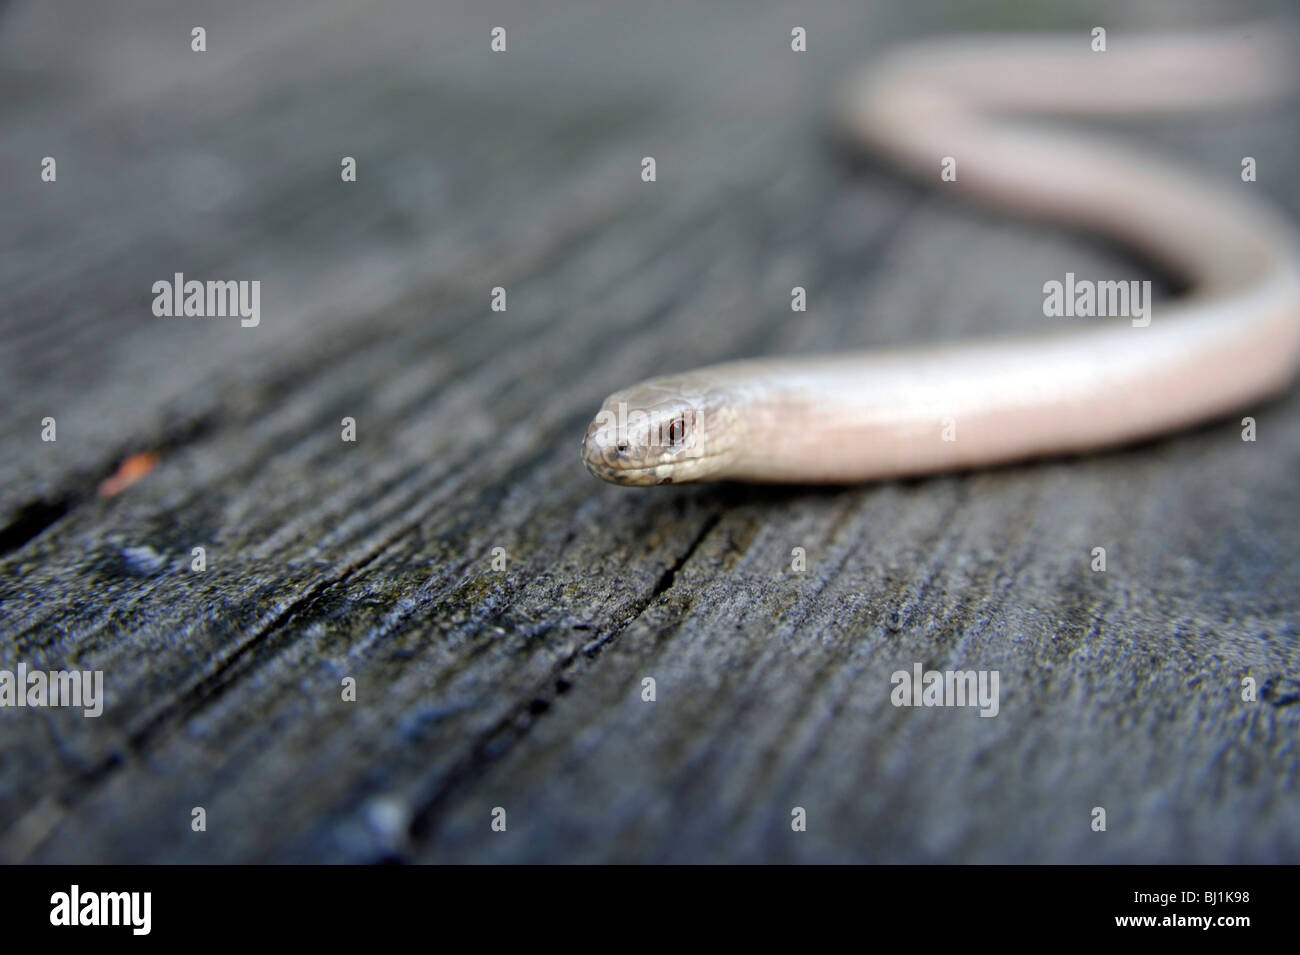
pixel 629 477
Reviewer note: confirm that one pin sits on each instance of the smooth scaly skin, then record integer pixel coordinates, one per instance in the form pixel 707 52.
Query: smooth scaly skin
pixel 1233 341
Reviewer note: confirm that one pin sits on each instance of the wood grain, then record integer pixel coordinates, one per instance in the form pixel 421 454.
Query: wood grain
pixel 521 688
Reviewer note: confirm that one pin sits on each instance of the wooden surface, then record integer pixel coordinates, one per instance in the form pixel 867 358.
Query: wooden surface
pixel 372 560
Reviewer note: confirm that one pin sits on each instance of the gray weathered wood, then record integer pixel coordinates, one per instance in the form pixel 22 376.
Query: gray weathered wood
pixel 522 689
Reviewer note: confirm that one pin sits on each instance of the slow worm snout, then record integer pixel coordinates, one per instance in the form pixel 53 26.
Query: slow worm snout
pixel 1234 340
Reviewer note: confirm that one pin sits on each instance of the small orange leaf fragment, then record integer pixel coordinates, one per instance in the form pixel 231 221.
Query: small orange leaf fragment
pixel 130 471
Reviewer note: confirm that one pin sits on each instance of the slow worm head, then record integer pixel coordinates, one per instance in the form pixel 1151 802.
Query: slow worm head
pixel 665 430
pixel 1234 339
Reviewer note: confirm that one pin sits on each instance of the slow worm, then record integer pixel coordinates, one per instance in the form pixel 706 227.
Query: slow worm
pixel 1233 340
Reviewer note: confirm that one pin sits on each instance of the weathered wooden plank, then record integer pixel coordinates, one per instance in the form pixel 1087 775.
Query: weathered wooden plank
pixel 521 688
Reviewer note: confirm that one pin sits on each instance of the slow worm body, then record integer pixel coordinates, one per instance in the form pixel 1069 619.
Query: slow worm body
pixel 1234 339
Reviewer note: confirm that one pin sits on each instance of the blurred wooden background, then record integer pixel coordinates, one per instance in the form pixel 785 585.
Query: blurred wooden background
pixel 372 560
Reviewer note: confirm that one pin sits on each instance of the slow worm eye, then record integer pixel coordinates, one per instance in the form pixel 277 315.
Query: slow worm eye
pixel 676 431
